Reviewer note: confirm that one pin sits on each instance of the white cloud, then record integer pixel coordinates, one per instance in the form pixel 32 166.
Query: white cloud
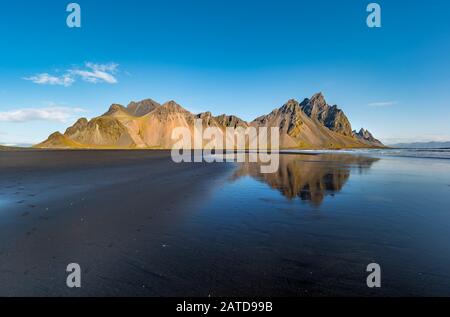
pixel 47 79
pixel 58 114
pixel 91 73
pixel 97 73
pixel 383 104
pixel 111 67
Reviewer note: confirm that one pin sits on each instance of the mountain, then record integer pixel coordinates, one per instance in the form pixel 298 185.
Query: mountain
pixel 143 107
pixel 298 130
pixel 423 145
pixel 147 124
pixel 330 116
pixel 366 137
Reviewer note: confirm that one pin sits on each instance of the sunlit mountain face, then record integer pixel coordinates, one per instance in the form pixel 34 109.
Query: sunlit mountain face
pixel 308 177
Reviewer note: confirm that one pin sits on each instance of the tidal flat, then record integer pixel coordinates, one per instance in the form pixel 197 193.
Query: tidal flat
pixel 139 224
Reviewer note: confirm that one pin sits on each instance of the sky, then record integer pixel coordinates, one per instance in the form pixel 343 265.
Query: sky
pixel 241 57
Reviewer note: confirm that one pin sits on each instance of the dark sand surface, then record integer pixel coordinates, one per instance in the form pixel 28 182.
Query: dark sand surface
pixel 141 225
pixel 109 211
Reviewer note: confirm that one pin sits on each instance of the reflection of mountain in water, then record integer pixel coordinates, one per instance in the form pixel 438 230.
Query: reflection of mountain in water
pixel 309 177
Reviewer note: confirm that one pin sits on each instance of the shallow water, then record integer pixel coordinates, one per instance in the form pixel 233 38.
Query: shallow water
pixel 416 153
pixel 313 227
pixel 133 222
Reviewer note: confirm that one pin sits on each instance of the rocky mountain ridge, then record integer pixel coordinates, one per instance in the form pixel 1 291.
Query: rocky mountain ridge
pixel 311 124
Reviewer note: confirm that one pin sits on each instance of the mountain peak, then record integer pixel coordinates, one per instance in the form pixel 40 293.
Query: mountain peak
pixel 231 121
pixel 330 116
pixel 78 126
pixel 363 133
pixel 173 106
pixel 204 115
pixel 367 137
pixel 318 100
pixel 146 124
pixel 291 105
pixel 114 108
pixel 141 108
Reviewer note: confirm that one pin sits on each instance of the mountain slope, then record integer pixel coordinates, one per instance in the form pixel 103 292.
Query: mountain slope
pixel 59 141
pixel 143 107
pixel 298 130
pixel 330 116
pixel 147 124
pixel 366 137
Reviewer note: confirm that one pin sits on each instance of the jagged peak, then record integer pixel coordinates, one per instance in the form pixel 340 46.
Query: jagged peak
pixel 362 132
pixel 229 116
pixel 203 115
pixel 143 107
pixel 318 95
pixel 291 105
pixel 231 121
pixel 302 122
pixel 144 101
pixel 173 106
pixel 80 124
pixel 114 108
pixel 81 121
pixel 318 99
pixel 365 135
pixel 56 134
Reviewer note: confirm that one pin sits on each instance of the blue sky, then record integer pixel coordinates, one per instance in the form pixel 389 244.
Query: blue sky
pixel 243 57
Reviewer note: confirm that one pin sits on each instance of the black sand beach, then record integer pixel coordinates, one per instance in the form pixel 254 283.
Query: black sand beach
pixel 103 210
pixel 140 225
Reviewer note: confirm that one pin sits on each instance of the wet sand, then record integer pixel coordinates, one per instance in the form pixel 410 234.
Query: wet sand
pixel 103 210
pixel 141 225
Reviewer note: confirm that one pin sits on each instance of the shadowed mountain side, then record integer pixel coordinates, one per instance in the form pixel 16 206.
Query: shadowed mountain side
pixel 308 177
pixel 330 116
pixel 298 130
pixel 147 124
pixel 366 137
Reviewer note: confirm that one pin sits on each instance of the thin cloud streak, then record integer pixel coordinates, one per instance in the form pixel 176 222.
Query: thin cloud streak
pixel 57 114
pixel 91 73
pixel 383 104
pixel 47 79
